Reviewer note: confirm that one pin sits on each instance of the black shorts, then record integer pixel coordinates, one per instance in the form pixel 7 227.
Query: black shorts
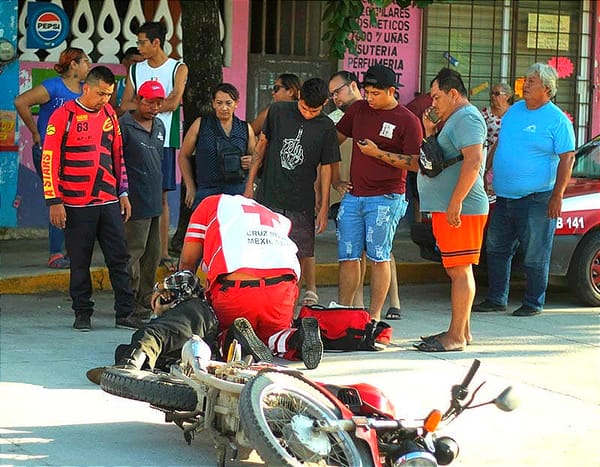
pixel 303 230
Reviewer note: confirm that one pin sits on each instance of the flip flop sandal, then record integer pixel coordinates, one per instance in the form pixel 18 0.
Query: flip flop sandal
pixel 432 337
pixel 310 298
pixel 59 261
pixel 435 336
pixel 393 313
pixel 435 345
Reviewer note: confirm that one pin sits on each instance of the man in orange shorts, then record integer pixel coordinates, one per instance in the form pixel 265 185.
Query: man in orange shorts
pixel 455 197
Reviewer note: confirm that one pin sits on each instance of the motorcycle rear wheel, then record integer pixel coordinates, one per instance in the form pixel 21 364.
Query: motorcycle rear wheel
pixel 277 410
pixel 159 389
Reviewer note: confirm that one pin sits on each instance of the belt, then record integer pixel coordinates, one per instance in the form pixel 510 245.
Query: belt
pixel 226 283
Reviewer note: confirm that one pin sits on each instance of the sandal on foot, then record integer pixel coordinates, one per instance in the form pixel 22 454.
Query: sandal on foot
pixel 435 336
pixel 168 263
pixel 393 313
pixel 435 345
pixel 59 261
pixel 432 337
pixel 310 298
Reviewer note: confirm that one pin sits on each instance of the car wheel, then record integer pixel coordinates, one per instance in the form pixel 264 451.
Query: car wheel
pixel 584 271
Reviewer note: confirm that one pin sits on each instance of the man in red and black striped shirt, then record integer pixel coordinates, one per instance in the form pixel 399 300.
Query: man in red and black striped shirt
pixel 85 185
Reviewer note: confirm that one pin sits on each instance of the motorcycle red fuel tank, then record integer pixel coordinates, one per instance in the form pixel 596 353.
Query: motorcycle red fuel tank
pixel 374 397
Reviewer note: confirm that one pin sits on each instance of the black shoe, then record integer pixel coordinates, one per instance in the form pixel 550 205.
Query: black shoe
pixel 241 329
pixel 95 374
pixel 312 345
pixel 487 306
pixel 82 323
pixel 525 310
pixel 129 322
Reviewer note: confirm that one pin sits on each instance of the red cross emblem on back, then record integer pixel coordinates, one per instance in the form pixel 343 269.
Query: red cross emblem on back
pixel 266 217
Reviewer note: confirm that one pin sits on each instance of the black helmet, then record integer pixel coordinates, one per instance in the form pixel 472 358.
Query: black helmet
pixel 178 287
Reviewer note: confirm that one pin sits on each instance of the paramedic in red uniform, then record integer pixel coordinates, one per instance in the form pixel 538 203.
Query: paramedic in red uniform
pixel 85 185
pixel 251 271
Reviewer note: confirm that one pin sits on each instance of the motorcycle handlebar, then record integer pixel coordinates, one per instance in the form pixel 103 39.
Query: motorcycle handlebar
pixel 471 373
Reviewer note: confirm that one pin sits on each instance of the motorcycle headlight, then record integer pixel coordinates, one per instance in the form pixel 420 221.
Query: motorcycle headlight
pixel 446 450
pixel 416 459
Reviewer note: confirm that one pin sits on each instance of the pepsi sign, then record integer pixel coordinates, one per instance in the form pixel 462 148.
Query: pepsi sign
pixel 47 25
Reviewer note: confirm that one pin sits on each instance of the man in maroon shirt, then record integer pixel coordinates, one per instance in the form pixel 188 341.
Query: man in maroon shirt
pixel 375 200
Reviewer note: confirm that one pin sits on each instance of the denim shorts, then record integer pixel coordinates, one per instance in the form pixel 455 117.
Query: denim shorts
pixel 368 223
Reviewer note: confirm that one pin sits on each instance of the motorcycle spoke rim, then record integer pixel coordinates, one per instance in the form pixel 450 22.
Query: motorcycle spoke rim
pixel 279 408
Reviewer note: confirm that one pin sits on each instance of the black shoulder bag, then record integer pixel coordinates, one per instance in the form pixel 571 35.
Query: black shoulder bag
pixel 229 156
pixel 431 158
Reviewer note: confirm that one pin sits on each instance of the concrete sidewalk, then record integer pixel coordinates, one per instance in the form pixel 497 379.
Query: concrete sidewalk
pixel 23 267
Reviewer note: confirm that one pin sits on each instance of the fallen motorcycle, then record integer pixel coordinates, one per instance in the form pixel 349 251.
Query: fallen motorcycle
pixel 291 420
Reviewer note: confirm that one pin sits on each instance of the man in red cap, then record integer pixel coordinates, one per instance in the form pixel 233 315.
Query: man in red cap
pixel 143 137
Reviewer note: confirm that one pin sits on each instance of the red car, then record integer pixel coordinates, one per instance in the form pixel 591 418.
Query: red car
pixel 576 247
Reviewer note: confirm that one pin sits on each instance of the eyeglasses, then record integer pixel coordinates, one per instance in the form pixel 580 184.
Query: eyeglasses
pixel 277 87
pixel 141 42
pixel 336 91
pixel 497 93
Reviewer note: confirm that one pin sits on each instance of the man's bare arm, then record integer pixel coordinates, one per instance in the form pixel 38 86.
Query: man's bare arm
pixel 400 161
pixel 255 164
pixel 174 98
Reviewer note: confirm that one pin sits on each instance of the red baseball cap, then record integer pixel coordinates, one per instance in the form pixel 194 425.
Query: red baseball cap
pixel 151 90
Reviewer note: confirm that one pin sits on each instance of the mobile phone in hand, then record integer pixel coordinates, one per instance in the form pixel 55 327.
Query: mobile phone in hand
pixel 362 142
pixel 433 116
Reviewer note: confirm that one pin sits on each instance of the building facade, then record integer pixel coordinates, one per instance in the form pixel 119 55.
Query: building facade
pixel 487 41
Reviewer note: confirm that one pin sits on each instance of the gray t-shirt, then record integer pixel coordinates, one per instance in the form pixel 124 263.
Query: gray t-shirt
pixel 465 127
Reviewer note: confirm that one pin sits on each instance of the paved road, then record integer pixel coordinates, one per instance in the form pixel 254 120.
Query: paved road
pixel 51 415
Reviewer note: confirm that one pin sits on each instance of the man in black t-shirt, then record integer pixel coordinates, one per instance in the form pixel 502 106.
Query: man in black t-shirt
pixel 297 141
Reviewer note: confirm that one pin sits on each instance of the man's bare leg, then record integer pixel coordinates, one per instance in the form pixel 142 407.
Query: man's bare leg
pixel 308 266
pixel 359 297
pixel 462 296
pixel 380 284
pixel 348 280
pixel 394 293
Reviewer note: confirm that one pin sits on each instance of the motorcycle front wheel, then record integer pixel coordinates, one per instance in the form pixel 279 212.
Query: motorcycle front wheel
pixel 159 389
pixel 277 412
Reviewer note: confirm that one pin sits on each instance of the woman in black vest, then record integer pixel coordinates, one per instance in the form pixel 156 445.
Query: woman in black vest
pixel 223 145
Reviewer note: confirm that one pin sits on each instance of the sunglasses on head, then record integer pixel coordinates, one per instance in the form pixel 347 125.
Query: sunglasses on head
pixel 277 87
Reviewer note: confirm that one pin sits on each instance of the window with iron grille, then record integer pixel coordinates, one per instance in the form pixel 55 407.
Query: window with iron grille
pixel 287 27
pixel 497 40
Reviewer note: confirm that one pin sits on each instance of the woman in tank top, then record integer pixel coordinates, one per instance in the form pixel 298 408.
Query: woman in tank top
pixel 73 66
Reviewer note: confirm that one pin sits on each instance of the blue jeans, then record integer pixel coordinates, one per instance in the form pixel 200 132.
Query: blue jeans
pixel 523 222
pixel 368 223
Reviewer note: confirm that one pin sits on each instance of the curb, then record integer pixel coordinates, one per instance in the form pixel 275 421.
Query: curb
pixel 326 275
